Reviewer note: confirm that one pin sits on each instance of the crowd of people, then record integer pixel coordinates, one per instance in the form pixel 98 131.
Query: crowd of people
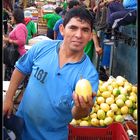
pixel 117 13
pixel 54 66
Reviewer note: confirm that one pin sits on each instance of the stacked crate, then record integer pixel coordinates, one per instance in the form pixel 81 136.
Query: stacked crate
pixel 42 26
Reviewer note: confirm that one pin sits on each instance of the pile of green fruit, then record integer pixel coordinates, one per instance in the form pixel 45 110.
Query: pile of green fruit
pixel 115 99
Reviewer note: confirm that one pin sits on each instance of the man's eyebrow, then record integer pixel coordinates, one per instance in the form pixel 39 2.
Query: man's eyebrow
pixel 71 25
pixel 86 28
pixel 78 26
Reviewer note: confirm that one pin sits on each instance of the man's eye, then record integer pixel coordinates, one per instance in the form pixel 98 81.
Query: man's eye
pixel 72 27
pixel 86 30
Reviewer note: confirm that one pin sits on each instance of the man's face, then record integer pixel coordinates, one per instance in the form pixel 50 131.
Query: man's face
pixel 76 34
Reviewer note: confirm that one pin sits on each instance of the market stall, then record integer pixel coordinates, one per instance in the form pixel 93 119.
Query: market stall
pixel 114 111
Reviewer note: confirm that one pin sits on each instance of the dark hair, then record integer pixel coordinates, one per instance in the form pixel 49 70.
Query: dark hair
pixel 72 3
pixel 18 15
pixel 81 13
pixel 58 10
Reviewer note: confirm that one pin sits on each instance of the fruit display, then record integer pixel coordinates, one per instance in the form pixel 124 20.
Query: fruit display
pixel 116 98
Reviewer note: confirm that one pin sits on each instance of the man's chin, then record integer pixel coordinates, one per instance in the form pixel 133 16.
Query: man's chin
pixel 76 49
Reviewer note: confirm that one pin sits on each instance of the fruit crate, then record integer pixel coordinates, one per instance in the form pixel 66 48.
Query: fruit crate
pixel 114 131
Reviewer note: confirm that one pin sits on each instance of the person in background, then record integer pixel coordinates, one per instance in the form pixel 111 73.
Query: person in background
pixel 8 5
pixel 16 5
pixel 121 10
pixel 55 66
pixel 73 4
pixel 57 34
pixel 6 17
pixel 70 5
pixel 17 36
pixel 83 3
pixel 64 4
pixel 30 25
pixel 51 20
pixel 119 13
pixel 93 43
pixel 92 4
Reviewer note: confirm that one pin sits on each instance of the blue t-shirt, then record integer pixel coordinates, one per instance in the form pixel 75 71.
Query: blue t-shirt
pixel 130 4
pixel 47 100
pixel 56 29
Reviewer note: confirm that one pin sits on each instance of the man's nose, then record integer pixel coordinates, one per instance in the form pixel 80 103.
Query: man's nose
pixel 78 33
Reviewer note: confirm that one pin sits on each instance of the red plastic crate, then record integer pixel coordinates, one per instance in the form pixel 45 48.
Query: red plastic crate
pixel 114 131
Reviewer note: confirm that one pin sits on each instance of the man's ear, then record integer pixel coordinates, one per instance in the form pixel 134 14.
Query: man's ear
pixel 61 29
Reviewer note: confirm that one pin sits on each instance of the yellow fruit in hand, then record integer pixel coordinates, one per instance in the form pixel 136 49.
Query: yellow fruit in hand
pixel 83 88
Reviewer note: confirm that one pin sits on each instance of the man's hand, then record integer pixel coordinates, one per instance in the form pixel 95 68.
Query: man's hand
pixel 7 107
pixel 81 108
pixel 99 50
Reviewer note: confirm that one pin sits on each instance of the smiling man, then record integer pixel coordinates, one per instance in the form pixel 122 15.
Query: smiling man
pixel 49 102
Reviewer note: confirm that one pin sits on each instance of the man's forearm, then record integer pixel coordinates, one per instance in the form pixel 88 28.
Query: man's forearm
pixel 16 79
